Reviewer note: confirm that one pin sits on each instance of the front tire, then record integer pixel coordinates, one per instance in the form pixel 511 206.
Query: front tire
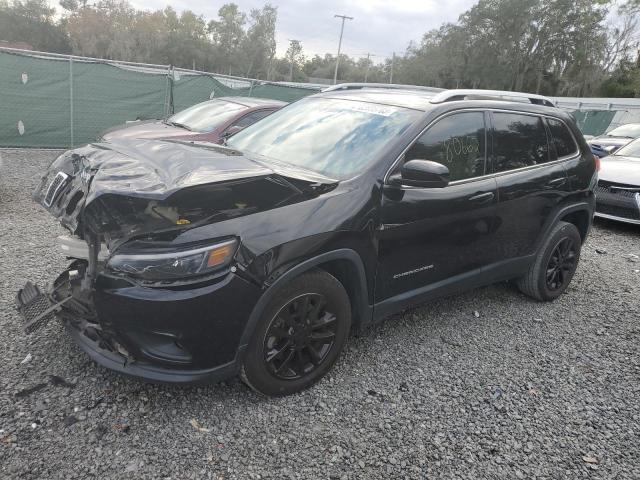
pixel 556 263
pixel 299 336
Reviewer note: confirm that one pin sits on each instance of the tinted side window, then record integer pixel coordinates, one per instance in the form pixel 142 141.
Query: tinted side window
pixel 562 138
pixel 518 141
pixel 457 141
pixel 252 118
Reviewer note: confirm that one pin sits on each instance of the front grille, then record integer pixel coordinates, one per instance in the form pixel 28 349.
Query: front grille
pixel 616 193
pixel 612 200
pixel 54 187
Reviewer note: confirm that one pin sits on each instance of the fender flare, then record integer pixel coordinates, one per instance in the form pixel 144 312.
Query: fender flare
pixel 366 310
pixel 576 207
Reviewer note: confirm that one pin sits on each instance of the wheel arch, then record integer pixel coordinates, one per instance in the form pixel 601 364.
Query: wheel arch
pixel 581 218
pixel 579 214
pixel 344 264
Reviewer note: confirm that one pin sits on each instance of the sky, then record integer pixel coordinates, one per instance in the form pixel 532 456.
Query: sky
pixel 379 27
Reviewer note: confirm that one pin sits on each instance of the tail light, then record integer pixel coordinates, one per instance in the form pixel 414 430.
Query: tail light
pixel 597 159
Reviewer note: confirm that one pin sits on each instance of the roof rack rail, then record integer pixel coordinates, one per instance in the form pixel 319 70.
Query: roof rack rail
pixel 395 86
pixel 464 94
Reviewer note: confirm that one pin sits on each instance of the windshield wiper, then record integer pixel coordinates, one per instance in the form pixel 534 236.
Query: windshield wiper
pixel 618 136
pixel 179 125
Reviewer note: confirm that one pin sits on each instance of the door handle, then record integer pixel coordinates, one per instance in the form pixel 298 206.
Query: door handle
pixel 482 198
pixel 556 182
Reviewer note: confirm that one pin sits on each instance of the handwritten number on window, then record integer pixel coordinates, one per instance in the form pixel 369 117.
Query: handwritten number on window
pixel 459 147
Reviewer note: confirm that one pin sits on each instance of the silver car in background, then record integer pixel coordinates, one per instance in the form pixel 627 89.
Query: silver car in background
pixel 618 191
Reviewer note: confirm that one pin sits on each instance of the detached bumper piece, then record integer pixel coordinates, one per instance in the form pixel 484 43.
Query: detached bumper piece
pixel 36 308
pixel 68 302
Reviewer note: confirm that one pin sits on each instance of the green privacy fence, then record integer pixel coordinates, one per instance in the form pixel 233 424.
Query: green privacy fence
pixel 594 122
pixel 50 100
pixel 61 101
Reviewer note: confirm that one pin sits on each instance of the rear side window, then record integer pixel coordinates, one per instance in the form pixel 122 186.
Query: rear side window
pixel 518 141
pixel 251 118
pixel 458 142
pixel 562 139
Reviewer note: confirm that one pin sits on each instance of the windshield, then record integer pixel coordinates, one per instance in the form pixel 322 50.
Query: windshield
pixel 630 149
pixel 206 116
pixel 630 131
pixel 336 138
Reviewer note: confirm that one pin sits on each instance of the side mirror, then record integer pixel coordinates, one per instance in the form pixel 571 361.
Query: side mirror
pixel 232 131
pixel 422 173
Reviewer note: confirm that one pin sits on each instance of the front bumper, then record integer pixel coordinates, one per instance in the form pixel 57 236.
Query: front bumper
pixel 148 371
pixel 164 334
pixel 618 204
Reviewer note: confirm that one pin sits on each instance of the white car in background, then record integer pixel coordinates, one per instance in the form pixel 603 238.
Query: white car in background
pixel 618 191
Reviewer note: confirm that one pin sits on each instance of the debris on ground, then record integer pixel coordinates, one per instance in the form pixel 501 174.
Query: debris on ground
pixel 28 391
pixel 27 359
pixel 70 420
pixel 60 382
pixel 194 423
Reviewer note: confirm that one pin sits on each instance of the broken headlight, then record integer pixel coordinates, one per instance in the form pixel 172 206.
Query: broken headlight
pixel 174 265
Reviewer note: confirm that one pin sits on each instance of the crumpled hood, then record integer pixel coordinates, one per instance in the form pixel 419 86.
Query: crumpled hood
pixel 147 186
pixel 620 170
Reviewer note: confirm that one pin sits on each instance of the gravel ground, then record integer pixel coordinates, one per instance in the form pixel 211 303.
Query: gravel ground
pixel 488 384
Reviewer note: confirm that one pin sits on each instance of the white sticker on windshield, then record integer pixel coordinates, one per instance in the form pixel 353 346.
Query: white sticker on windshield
pixel 372 108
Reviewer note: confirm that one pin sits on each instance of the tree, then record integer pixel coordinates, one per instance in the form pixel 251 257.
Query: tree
pixel 295 56
pixel 560 47
pixel 32 22
pixel 259 46
pixel 228 35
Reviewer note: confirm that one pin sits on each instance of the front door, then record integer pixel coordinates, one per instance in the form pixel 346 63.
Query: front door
pixel 434 237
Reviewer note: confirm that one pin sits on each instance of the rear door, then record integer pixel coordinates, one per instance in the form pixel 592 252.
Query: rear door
pixel 531 181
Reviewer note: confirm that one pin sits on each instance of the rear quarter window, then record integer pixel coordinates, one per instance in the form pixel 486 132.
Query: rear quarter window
pixel 561 138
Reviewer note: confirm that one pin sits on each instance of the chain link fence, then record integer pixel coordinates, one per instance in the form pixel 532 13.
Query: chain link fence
pixel 61 101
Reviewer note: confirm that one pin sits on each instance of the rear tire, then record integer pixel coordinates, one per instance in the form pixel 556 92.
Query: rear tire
pixel 299 336
pixel 551 272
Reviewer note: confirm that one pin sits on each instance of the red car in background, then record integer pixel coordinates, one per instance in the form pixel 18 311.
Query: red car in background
pixel 209 121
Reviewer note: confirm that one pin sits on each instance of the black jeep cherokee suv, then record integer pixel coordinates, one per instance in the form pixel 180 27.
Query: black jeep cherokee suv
pixel 194 262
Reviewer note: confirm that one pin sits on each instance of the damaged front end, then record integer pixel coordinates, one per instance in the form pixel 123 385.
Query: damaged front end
pixel 130 293
pixel 69 299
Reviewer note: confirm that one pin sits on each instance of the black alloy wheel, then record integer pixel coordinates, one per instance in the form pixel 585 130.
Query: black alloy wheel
pixel 556 262
pixel 299 337
pixel 561 265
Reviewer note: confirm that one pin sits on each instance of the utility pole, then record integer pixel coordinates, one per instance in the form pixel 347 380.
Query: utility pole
pixel 335 73
pixel 366 72
pixel 393 61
